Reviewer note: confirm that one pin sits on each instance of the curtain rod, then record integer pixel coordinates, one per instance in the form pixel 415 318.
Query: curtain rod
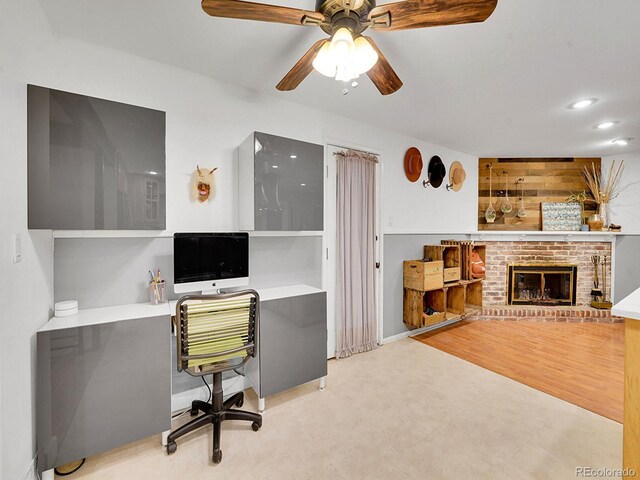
pixel 366 155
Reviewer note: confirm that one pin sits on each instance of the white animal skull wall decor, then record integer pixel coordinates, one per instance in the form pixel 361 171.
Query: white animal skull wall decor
pixel 203 183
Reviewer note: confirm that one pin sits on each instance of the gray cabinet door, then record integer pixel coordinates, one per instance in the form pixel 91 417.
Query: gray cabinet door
pixel 292 347
pixel 94 164
pixel 100 387
pixel 289 185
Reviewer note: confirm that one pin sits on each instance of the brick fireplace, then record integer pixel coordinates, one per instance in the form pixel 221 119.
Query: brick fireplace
pixel 501 254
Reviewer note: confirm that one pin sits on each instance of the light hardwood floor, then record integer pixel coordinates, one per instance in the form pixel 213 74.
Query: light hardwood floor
pixel 582 363
pixel 402 411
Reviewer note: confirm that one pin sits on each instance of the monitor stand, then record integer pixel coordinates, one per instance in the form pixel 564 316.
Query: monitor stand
pixel 213 291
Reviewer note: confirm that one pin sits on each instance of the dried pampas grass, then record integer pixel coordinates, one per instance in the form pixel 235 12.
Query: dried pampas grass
pixel 603 189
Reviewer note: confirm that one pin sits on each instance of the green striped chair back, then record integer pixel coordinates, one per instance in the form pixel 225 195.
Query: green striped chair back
pixel 216 332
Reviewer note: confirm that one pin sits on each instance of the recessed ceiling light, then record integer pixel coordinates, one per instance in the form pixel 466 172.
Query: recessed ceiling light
pixel 303 184
pixel 152 173
pixel 587 102
pixel 275 166
pixel 605 125
pixel 293 156
pixel 622 141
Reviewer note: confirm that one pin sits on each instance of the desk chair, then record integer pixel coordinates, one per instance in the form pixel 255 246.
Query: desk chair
pixel 216 333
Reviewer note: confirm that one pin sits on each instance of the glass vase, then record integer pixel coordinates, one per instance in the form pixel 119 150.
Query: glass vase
pixel 604 215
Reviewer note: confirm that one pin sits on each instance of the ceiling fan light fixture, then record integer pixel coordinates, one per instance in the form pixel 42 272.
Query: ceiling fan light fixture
pixel 342 46
pixel 365 56
pixel 343 58
pixel 324 62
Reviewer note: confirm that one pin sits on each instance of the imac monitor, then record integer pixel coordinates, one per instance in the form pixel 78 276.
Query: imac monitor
pixel 210 261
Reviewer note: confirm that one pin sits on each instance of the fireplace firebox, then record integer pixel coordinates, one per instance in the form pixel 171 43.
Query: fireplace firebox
pixel 542 284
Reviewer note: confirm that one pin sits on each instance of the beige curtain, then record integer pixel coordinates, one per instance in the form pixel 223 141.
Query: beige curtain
pixel 356 325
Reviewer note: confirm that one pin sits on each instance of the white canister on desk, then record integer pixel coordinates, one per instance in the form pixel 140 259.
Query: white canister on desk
pixel 66 308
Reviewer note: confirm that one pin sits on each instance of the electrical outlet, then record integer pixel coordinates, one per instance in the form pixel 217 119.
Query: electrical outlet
pixel 17 248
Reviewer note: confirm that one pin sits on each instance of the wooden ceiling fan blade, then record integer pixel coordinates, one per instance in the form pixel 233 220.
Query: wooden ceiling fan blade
pixel 382 74
pixel 261 12
pixel 430 13
pixel 301 69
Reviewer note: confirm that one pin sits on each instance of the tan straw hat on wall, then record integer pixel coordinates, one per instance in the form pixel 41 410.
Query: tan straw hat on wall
pixel 457 176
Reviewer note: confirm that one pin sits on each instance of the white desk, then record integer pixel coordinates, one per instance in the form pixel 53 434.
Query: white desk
pixel 97 316
pixel 273 293
pixel 115 366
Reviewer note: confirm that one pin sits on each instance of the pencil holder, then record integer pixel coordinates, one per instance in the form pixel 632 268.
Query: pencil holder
pixel 157 293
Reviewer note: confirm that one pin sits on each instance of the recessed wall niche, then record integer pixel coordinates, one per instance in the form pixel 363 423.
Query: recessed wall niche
pixel 529 182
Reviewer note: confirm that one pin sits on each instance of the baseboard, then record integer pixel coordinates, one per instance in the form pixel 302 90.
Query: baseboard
pixel 182 400
pixel 418 331
pixel 31 473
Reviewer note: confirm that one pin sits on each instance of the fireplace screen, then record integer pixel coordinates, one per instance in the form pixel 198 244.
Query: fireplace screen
pixel 546 284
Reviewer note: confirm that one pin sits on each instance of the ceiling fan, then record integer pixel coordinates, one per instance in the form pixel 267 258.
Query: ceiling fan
pixel 348 53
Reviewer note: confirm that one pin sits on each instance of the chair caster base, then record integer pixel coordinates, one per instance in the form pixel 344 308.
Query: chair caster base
pixel 171 448
pixel 217 456
pixel 256 426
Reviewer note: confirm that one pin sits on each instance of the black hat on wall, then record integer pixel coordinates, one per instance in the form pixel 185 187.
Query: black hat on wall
pixel 436 171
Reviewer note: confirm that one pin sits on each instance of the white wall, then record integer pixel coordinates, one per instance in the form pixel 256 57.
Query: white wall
pixel 26 288
pixel 206 121
pixel 624 209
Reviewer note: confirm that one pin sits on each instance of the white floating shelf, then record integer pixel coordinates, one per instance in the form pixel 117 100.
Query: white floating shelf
pixel 111 234
pixel 310 233
pixel 165 233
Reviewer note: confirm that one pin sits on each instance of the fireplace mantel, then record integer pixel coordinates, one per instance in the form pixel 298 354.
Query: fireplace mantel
pixel 537 236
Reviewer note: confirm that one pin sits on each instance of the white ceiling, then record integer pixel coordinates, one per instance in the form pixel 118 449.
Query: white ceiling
pixel 499 88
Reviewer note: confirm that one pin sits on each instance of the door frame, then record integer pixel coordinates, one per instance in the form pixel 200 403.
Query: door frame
pixel 328 238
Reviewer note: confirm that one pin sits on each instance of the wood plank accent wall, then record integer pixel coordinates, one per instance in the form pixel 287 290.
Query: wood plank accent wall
pixel 545 180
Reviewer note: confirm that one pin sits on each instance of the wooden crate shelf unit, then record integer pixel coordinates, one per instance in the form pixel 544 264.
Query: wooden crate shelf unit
pixel 449 255
pixel 429 299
